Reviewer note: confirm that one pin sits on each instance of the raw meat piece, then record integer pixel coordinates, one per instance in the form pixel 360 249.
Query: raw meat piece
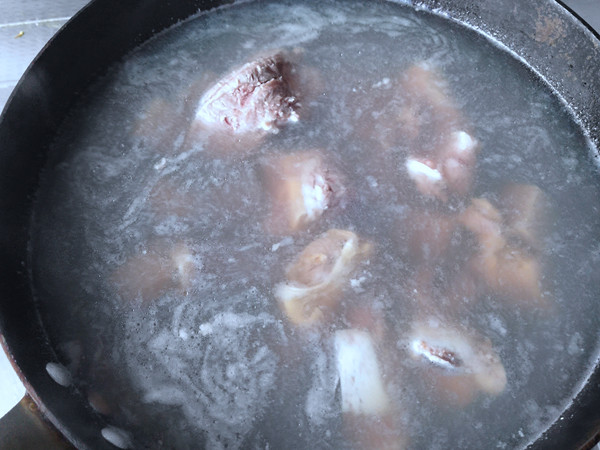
pixel 302 187
pixel 238 111
pixel 508 270
pixel 526 209
pixel 368 411
pixel 149 274
pixel 464 364
pixel 315 280
pixel 416 117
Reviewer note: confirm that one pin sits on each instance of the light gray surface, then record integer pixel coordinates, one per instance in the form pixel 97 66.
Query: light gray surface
pixel 39 20
pixel 588 10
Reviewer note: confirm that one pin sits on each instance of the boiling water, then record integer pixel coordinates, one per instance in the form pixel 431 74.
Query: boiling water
pixel 218 364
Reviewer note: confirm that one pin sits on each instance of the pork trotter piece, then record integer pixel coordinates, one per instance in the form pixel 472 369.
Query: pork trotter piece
pixel 315 280
pixel 258 98
pixel 301 186
pixel 461 364
pixel 527 212
pixel 442 153
pixel 506 269
pixel 149 274
pixel 369 415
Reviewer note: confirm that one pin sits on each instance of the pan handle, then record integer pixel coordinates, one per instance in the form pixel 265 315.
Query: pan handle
pixel 24 427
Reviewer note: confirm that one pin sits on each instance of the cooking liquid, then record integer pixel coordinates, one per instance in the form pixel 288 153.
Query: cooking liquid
pixel 217 363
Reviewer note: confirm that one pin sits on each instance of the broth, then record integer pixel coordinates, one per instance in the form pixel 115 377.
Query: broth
pixel 199 352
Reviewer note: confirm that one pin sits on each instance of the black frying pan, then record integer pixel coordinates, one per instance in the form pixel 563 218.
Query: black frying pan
pixel 567 56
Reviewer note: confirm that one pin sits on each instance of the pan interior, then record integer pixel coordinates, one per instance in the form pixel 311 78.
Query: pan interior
pixel 218 362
